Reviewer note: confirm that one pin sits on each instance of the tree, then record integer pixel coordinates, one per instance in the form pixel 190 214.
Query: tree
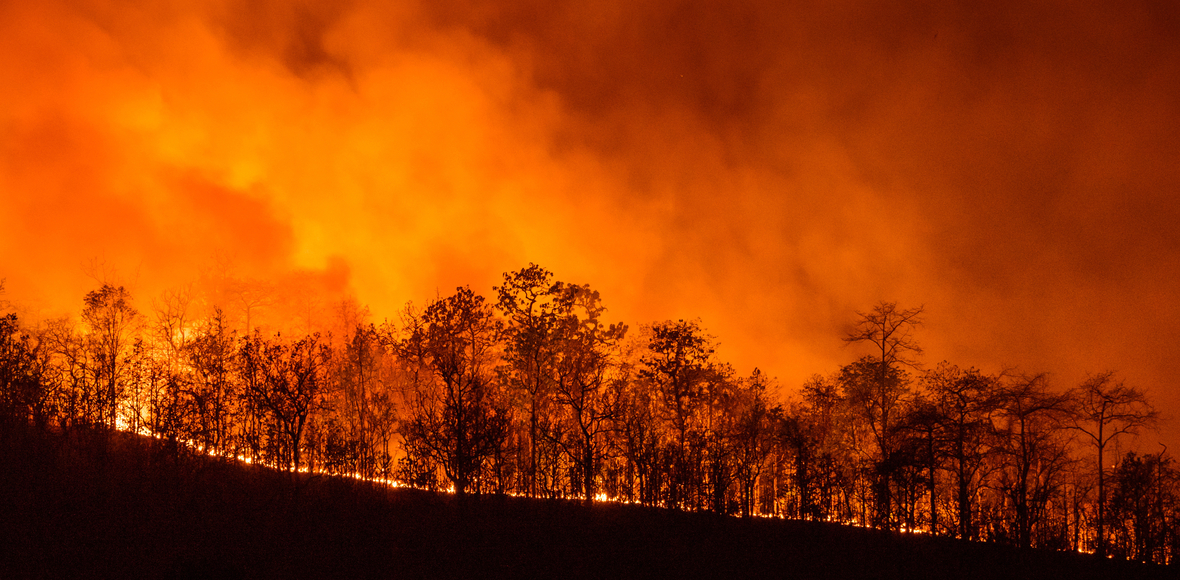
pixel 889 330
pixel 456 420
pixel 111 321
pixel 1104 409
pixel 814 431
pixel 722 395
pixel 965 402
pixel 366 404
pixel 210 355
pixel 293 379
pixel 1144 493
pixel 529 300
pixel 583 368
pixel 1031 418
pixel 753 435
pixel 252 295
pixel 923 441
pixel 71 372
pixel 24 390
pixel 876 398
pixel 679 363
pixel 637 430
pixel 171 328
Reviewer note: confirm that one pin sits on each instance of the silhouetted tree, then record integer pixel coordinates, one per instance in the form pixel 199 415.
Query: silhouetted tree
pixel 823 422
pixel 1031 419
pixel 795 436
pixel 1104 409
pixel 679 363
pixel 719 422
pixel 752 435
pixel 529 300
pixel 584 347
pixel 878 381
pixel 288 386
pixel 924 441
pixel 252 295
pixel 111 321
pixel 171 326
pixel 1142 498
pixel 74 375
pixel 210 355
pixel 876 399
pixel 455 419
pixel 637 428
pixel 25 394
pixel 366 408
pixel 965 402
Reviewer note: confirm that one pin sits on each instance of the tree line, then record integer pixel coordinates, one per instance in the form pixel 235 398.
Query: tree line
pixel 532 393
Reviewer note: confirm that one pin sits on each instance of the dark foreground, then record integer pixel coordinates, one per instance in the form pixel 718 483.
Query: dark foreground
pixel 114 506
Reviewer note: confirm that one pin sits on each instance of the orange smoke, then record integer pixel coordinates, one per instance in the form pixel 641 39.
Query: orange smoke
pixel 768 168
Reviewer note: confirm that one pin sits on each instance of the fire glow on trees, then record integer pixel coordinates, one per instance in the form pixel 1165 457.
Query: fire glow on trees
pixel 768 168
pixel 443 397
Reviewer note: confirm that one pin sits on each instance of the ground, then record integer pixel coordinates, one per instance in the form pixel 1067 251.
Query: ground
pixel 99 505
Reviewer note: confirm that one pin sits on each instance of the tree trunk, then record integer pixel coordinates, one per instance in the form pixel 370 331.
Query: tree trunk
pixel 931 483
pixel 1100 549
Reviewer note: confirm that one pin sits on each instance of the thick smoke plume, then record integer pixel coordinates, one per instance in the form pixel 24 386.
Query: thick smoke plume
pixel 769 167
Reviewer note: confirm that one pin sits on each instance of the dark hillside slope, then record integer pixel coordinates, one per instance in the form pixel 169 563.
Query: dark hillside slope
pixel 115 506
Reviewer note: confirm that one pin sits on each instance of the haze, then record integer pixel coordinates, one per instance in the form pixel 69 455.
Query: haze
pixel 770 168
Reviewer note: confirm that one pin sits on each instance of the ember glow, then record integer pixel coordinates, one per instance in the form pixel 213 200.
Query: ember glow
pixel 768 168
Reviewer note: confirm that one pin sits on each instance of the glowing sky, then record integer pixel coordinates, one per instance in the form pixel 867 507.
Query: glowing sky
pixel 770 167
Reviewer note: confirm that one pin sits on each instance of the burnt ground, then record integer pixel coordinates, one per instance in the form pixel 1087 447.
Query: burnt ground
pixel 90 505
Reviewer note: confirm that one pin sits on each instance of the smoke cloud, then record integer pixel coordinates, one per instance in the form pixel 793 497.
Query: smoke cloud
pixel 769 167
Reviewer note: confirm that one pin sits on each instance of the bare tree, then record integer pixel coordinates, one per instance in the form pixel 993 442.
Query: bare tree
pixel 252 295
pixel 1104 409
pixel 890 331
pixel 172 321
pixel 966 402
pixel 1031 418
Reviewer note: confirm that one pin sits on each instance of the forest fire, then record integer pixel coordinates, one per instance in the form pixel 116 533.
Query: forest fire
pixel 535 395
pixel 793 213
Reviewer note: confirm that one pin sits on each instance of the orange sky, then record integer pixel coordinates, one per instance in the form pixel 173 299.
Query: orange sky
pixel 769 167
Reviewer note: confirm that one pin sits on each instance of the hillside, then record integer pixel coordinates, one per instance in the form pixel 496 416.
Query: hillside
pixel 107 506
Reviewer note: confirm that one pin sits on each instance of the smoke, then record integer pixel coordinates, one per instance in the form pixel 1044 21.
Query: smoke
pixel 769 167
